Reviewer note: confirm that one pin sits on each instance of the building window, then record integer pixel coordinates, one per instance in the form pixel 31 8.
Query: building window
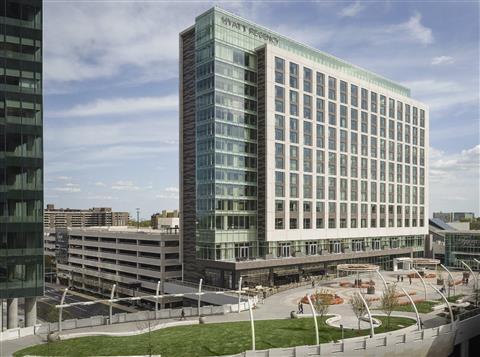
pixel 279 70
pixel 332 113
pixel 293 103
pixel 320 110
pixel 279 184
pixel 307 80
pixel 293 75
pixel 293 158
pixel 320 84
pixel 279 99
pixel 358 245
pixel 332 88
pixel 294 130
pixel 279 127
pixel 307 133
pixel 307 160
pixel 307 186
pixel 311 248
pixel 294 185
pixel 343 92
pixel 364 99
pixel 376 244
pixel 279 156
pixel 284 250
pixel 307 106
pixel 335 247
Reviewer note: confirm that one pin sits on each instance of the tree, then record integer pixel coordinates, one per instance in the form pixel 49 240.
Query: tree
pixel 389 301
pixel 323 300
pixel 358 307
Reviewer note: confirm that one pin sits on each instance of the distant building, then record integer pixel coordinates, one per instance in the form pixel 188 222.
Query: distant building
pixel 93 259
pixel 462 246
pixel 448 217
pixel 166 219
pixel 78 218
pixel 435 243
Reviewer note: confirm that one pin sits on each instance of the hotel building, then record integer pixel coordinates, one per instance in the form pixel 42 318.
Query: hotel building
pixel 291 160
pixel 21 157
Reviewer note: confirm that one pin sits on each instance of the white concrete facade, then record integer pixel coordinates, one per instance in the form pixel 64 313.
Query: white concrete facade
pixel 313 233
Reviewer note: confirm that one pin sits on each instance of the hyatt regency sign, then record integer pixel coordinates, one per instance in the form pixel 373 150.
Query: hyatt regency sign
pixel 250 30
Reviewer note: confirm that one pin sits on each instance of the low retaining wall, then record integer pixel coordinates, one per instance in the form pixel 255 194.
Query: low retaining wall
pixel 14 333
pixel 433 342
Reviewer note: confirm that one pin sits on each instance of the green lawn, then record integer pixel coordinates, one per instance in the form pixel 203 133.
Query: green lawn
pixel 427 306
pixel 206 340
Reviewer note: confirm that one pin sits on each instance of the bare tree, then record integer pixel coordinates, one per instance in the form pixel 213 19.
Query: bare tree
pixel 147 325
pixel 389 301
pixel 323 300
pixel 358 307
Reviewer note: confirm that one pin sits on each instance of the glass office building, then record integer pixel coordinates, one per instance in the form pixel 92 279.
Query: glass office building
pixel 21 156
pixel 290 157
pixel 462 246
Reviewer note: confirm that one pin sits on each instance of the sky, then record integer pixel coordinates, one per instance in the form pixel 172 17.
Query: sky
pixel 111 88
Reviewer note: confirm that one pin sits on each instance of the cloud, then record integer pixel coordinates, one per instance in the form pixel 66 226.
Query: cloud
pixel 172 189
pixel 125 186
pixel 69 189
pixel 99 184
pixel 440 94
pixel 120 106
pixel 351 10
pixel 442 60
pixel 454 179
pixel 414 30
pixel 169 193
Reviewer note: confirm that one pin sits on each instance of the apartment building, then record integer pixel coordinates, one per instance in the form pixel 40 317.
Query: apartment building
pixel 292 160
pixel 134 260
pixel 165 219
pixel 92 217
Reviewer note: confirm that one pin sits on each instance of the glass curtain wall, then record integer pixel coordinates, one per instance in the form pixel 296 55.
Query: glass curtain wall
pixel 21 156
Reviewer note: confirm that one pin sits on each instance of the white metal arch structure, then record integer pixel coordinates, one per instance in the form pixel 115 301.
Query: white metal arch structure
pixel 251 323
pixel 157 292
pixel 448 304
pixel 475 281
pixel 110 307
pixel 314 319
pixel 199 295
pixel 60 313
pixel 419 323
pixel 423 282
pixel 451 277
pixel 372 332
pixel 239 292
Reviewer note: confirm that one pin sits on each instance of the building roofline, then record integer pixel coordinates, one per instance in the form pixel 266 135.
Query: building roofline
pixel 321 53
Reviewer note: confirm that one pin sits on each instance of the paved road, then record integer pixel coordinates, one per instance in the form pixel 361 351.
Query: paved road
pixel 53 297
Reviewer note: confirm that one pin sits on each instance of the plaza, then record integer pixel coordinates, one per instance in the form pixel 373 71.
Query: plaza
pixel 272 315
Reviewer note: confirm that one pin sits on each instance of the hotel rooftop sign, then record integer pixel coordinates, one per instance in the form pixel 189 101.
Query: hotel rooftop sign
pixel 249 29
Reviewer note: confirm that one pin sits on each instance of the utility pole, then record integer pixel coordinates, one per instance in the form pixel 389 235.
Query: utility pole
pixel 138 218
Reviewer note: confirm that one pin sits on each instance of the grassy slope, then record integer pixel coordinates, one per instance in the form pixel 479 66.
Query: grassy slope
pixel 205 340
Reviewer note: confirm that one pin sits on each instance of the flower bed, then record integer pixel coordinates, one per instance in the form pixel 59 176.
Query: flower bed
pixel 333 299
